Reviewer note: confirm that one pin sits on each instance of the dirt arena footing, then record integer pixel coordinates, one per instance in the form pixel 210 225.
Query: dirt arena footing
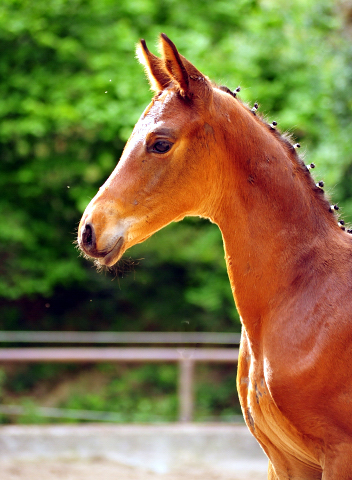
pixel 162 449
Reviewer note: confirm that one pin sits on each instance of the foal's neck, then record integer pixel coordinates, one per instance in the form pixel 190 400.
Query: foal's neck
pixel 272 218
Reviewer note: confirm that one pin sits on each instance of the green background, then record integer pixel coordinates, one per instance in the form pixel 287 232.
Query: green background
pixel 71 91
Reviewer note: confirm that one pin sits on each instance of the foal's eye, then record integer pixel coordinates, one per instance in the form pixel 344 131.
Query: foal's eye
pixel 161 146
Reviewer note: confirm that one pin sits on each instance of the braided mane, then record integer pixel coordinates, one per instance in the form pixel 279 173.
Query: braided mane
pixel 291 148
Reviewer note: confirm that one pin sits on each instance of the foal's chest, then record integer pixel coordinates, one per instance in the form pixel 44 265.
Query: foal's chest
pixel 262 414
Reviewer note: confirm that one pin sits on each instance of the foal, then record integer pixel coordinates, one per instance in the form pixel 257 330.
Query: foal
pixel 197 150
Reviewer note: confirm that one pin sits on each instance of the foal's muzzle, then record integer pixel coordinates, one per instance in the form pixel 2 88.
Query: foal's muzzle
pixel 111 251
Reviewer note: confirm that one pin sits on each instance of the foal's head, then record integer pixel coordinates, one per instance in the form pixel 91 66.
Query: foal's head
pixel 169 166
pixel 198 151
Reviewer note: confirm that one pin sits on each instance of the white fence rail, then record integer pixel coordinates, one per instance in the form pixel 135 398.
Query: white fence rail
pixel 121 337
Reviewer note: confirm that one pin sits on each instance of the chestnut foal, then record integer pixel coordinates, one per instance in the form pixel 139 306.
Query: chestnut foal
pixel 197 150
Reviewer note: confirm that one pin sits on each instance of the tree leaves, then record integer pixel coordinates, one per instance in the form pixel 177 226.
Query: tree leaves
pixel 70 93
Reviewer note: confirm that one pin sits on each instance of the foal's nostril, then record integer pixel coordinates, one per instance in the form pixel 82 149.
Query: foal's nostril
pixel 88 237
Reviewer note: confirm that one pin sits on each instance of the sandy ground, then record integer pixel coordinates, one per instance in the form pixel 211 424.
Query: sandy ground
pixel 104 470
pixel 130 452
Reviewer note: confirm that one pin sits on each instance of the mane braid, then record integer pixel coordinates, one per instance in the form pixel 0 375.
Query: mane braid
pixel 227 90
pixel 284 139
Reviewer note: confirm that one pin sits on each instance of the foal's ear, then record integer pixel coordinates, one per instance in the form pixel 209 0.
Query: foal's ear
pixel 154 67
pixel 182 71
pixel 174 64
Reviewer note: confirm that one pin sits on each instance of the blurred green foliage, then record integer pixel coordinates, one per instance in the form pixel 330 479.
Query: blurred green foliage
pixel 133 393
pixel 70 93
pixel 143 394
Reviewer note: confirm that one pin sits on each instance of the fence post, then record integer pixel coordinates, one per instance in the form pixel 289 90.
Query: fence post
pixel 186 394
